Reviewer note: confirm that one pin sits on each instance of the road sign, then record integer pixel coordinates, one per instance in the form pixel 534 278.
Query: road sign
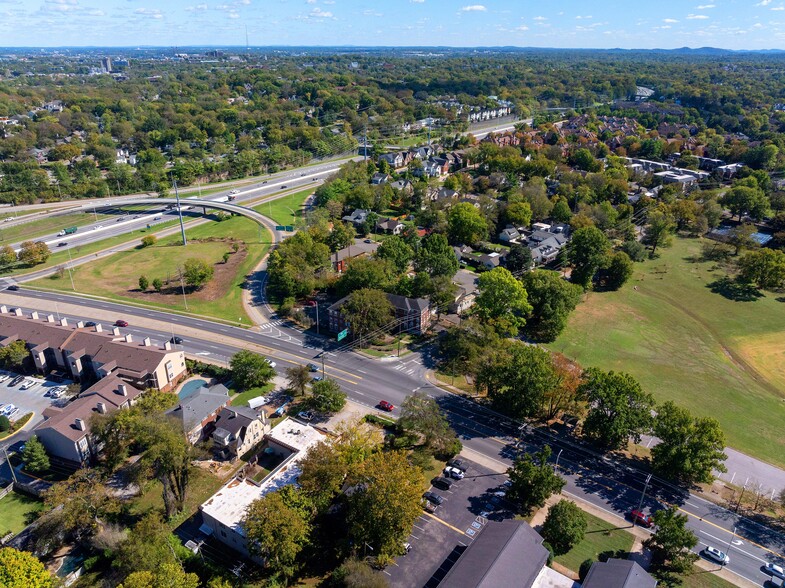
pixel 289 228
pixel 280 228
pixel 342 335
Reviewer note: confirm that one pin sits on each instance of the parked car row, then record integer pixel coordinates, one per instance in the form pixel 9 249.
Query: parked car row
pixel 9 411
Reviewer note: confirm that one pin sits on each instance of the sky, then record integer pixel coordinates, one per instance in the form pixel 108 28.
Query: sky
pixel 729 24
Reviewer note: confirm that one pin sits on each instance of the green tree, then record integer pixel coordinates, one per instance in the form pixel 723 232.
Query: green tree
pixel 197 272
pixel 690 448
pixel 14 355
pixel 659 230
pixel 34 456
pixel 148 547
pixel 82 502
pixel 367 272
pixel 5 424
pixel 518 214
pixel 764 268
pixel 341 236
pixel 750 200
pixel 149 241
pixel 420 414
pixel 619 408
pixel 169 575
pixel 436 257
pixel 7 256
pixel 21 569
pixel 356 573
pixel 396 250
pixel 552 299
pixel 327 397
pixel 144 283
pixel 533 481
pixel 619 270
pixel 157 284
pixel 250 370
pixel 587 252
pixel 519 259
pixel 33 253
pixel 672 542
pixel 741 237
pixel 564 527
pixel 298 376
pixel 366 311
pixel 502 301
pixel 277 532
pixel 465 224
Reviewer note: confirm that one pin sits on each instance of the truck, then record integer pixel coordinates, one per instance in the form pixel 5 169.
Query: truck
pixel 68 231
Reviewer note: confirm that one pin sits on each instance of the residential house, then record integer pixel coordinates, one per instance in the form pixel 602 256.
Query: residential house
pixel 464 253
pixel 65 432
pixel 357 217
pixel 238 429
pixel 618 573
pixel 445 194
pixel 429 169
pixel 394 160
pixel 675 177
pixel 510 235
pixel 378 178
pixel 390 226
pixel 198 412
pixel 404 186
pixel 729 171
pixel 90 354
pixel 415 314
pixel 490 260
pixel 502 139
pixel 341 258
pixel 545 245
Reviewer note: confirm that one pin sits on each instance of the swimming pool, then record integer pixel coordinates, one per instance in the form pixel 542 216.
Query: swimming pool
pixel 190 388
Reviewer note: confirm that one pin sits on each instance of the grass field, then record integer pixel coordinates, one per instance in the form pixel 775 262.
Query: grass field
pixel 117 276
pixel 684 342
pixel 48 225
pixel 243 398
pixel 600 536
pixel 702 579
pixel 17 510
pixel 281 209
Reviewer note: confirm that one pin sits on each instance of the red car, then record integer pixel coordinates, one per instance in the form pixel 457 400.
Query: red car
pixel 120 323
pixel 641 518
pixel 384 405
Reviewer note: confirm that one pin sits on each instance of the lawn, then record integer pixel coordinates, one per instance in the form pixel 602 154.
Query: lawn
pixel 18 510
pixel 684 342
pixel 281 209
pixel 48 225
pixel 600 537
pixel 221 298
pixel 243 398
pixel 702 579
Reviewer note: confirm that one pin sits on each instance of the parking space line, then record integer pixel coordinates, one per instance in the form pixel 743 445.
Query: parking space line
pixel 445 523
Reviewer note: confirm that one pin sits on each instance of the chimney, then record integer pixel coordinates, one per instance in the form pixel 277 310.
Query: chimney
pixel 50 318
pixel 63 322
pixel 3 309
pixel 168 345
pixel 116 331
pixel 79 324
pixel 122 390
pixel 101 408
pixel 18 312
pixel 98 328
pixel 146 342
pixel 80 424
pixel 129 338
pixel 34 315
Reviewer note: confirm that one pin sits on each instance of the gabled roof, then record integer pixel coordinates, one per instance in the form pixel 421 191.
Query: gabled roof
pixel 618 573
pixel 233 418
pixel 196 408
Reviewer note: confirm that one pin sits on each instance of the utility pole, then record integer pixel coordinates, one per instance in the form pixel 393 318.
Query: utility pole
pixel 182 287
pixel 365 144
pixel 70 270
pixel 640 503
pixel 317 317
pixel 180 214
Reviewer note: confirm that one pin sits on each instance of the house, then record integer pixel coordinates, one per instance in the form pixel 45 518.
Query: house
pixel 91 354
pixel 378 179
pixel 463 301
pixel 429 169
pixel 404 186
pixel 490 260
pixel 65 432
pixel 198 412
pixel 341 258
pixel 390 226
pixel 223 513
pixel 618 573
pixel 729 171
pixel 675 177
pixel 545 251
pixel 445 194
pixel 358 217
pixel 509 235
pixel 394 160
pixel 464 253
pixel 238 429
pixel 414 314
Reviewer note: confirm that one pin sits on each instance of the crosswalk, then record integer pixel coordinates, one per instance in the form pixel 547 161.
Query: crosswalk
pixel 404 367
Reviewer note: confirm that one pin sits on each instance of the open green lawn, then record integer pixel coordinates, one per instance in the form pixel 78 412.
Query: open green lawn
pixel 713 355
pixel 601 536
pixel 117 276
pixel 243 398
pixel 46 226
pixel 281 209
pixel 17 511
pixel 702 579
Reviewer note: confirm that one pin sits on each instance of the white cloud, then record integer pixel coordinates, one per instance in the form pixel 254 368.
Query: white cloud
pixel 583 17
pixel 539 18
pixel 96 13
pixel 522 28
pixel 319 13
pixel 417 1
pixel 763 3
pixel 233 14
pixel 697 17
pixel 705 6
pixel 199 7
pixel 151 12
pixel 474 8
pixel 780 7
pixel 670 20
pixel 310 1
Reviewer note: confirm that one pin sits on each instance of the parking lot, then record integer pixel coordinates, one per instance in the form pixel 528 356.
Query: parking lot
pixel 33 399
pixel 438 539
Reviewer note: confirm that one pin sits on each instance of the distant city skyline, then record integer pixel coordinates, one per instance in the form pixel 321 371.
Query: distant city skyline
pixel 727 24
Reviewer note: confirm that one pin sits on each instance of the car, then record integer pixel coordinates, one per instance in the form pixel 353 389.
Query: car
pixel 271 362
pixel 306 414
pixel 176 340
pixel 428 506
pixel 384 405
pixel 441 483
pixel 4 408
pixel 407 547
pixel 120 323
pixel 27 385
pixel 3 378
pixel 312 367
pixel 317 379
pixel 641 518
pixel 98 227
pixel 89 324
pixel 453 473
pixel 156 218
pixel 13 288
pixel 8 409
pixel 119 219
pixel 458 464
pixel 774 570
pixel 233 191
pixel 17 380
pixel 715 554
pixel 433 498
pixel 284 186
pixel 367 241
pixel 310 303
pixel 62 244
pixel 8 219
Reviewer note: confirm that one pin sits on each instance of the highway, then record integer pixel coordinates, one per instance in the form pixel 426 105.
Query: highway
pixel 610 485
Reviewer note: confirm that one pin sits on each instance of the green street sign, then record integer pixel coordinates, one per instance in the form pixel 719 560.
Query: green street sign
pixel 280 228
pixel 342 335
pixel 289 228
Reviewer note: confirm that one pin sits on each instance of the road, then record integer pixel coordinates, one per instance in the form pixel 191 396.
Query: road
pixel 610 485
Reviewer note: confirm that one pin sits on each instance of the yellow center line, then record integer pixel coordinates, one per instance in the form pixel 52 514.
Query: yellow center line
pixel 445 523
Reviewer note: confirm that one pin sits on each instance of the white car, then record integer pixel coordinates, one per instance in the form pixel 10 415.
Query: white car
pixel 271 362
pixel 774 570
pixel 27 385
pixel 453 473
pixel 3 378
pixel 7 410
pixel 716 555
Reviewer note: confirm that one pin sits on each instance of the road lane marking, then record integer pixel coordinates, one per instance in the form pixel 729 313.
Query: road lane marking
pixel 445 523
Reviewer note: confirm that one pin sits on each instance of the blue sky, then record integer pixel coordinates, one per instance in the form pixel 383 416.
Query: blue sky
pixel 732 24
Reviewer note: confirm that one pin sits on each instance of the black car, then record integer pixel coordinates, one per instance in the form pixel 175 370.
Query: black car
pixel 441 483
pixel 62 244
pixel 89 324
pixel 457 464
pixel 312 367
pixel 434 498
pixel 13 287
pixel 176 340
pixel 17 380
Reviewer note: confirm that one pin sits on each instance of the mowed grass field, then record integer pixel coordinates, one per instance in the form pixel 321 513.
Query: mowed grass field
pixel 117 276
pixel 715 356
pixel 281 209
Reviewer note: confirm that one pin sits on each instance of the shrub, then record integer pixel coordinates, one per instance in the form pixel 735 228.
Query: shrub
pixel 157 284
pixel 149 241
pixel 144 283
pixel 583 571
pixel 564 527
pixel 5 424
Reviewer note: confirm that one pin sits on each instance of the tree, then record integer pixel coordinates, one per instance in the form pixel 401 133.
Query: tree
pixel 465 224
pixel 420 414
pixel 619 270
pixel 564 527
pixel 250 370
pixel 277 532
pixel 587 251
pixel 552 299
pixel 366 311
pixel 7 256
pixel 532 481
pixel 672 542
pixel 502 301
pixel 31 253
pixel 149 241
pixel 618 408
pixel 366 272
pixel 436 257
pixel 21 569
pixel 355 573
pixel 659 230
pixel 327 396
pixel 298 376
pixel 169 575
pixel 147 547
pixel 519 259
pixel 34 456
pixel 385 502
pixel 5 424
pixel 690 448
pixel 14 355
pixel 396 251
pixel 197 272
pixel 518 214
pixel 744 199
pixel 157 284
pixel 82 501
pixel 144 283
pixel 341 236
pixel 764 268
pixel 563 396
pixel 741 237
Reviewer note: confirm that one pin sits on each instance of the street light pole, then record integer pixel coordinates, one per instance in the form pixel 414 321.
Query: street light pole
pixel 70 270
pixel 180 214
pixel 640 503
pixel 317 317
pixel 730 541
pixel 558 455
pixel 10 465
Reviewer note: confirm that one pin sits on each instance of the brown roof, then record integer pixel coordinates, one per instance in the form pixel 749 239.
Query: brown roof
pixel 85 406
pixel 32 331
